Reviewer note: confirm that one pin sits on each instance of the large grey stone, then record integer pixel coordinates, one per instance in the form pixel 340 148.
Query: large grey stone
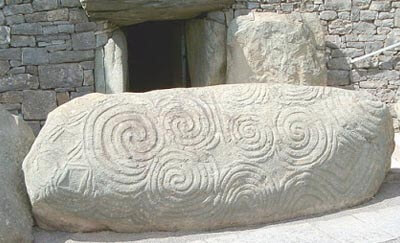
pixel 276 48
pixel 16 138
pixel 136 11
pixel 41 5
pixel 206 158
pixel 35 56
pixel 84 41
pixel 71 56
pixel 60 76
pixel 206 48
pixel 112 65
pixel 37 104
pixel 4 35
pixel 18 82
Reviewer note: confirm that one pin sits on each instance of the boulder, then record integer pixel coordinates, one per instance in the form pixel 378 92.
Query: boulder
pixel 276 48
pixel 206 48
pixel 16 138
pixel 129 12
pixel 206 158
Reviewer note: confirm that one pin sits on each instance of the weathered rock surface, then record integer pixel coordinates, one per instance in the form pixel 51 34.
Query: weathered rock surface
pixel 16 138
pixel 206 158
pixel 206 48
pixel 130 12
pixel 115 65
pixel 276 48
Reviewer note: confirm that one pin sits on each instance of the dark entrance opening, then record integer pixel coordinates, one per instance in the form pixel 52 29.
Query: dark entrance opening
pixel 156 56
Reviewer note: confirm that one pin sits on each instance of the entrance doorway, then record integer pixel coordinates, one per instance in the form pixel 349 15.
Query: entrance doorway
pixel 156 56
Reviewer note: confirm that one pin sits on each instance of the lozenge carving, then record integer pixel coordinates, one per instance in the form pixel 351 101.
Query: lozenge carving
pixel 206 158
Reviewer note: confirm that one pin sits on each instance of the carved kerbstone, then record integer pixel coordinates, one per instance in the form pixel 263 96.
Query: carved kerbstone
pixel 206 158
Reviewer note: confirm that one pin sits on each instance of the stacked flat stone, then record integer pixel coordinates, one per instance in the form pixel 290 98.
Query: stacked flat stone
pixel 47 50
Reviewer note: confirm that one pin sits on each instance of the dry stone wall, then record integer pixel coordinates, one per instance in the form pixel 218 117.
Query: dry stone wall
pixel 47 50
pixel 353 28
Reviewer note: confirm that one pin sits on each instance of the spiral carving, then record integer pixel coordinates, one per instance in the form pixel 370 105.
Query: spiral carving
pixel 121 139
pixel 190 121
pixel 254 138
pixel 182 185
pixel 305 140
pixel 297 94
pixel 246 187
pixel 252 93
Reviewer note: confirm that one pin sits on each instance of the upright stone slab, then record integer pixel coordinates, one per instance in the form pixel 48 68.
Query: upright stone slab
pixel 128 12
pixel 16 138
pixel 206 48
pixel 206 158
pixel 276 48
pixel 112 65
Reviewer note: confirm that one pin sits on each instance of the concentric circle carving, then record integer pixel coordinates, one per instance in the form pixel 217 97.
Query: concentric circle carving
pixel 305 140
pixel 189 120
pixel 253 136
pixel 181 185
pixel 121 139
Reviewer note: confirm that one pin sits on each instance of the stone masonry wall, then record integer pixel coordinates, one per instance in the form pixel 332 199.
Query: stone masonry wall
pixel 353 28
pixel 47 50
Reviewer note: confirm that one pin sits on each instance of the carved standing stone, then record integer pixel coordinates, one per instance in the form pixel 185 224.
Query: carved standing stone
pixel 16 138
pixel 206 158
pixel 276 48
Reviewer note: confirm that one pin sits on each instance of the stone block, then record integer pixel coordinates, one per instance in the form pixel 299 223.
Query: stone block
pixel 338 77
pixel 17 9
pixel 84 41
pixel 40 5
pixel 77 16
pixel 18 82
pixel 23 41
pixel 11 97
pixel 2 18
pixel 206 51
pixel 15 19
pixel 16 139
pixel 131 12
pixel 364 28
pixel 328 15
pixel 35 56
pixel 397 18
pixel 207 158
pixel 341 5
pixel 4 35
pixel 70 3
pixel 60 76
pixel 36 17
pixel 62 98
pixel 88 77
pixel 380 5
pixel 10 54
pixel 26 29
pixel 71 56
pixel 58 15
pixel 38 103
pixel 298 58
pixel 368 15
pixel 4 67
pixel 85 27
pixel 66 28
